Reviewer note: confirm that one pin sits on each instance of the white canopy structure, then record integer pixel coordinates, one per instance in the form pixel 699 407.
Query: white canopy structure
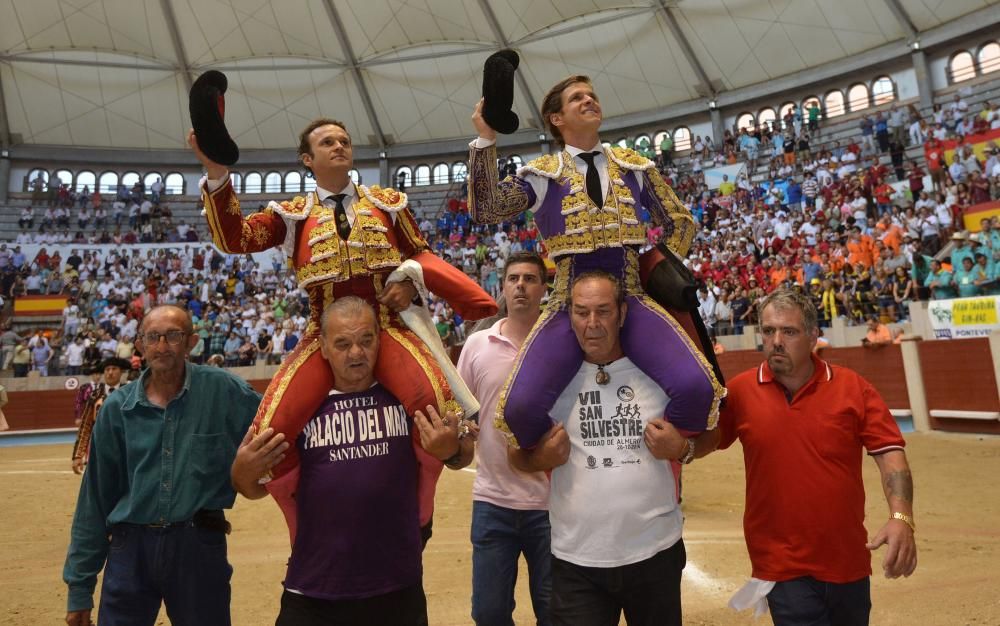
pixel 115 73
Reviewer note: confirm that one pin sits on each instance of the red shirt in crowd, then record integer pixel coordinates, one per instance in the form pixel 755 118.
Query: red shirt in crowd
pixel 934 154
pixel 883 193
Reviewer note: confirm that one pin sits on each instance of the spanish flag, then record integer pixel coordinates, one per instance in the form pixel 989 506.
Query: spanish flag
pixel 975 214
pixel 38 306
pixel 979 144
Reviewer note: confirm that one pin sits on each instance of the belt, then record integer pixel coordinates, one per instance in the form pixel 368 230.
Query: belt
pixel 206 519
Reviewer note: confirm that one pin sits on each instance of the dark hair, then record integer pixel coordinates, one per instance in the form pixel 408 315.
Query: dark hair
pixel 526 257
pixel 304 146
pixel 552 103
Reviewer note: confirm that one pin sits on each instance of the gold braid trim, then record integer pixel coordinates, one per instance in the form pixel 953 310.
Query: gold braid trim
pixel 414 349
pixel 295 209
pixel 492 201
pixel 88 418
pixel 588 228
pixel 632 282
pixel 411 232
pixel 718 391
pixel 547 165
pixel 385 198
pixel 675 218
pixel 629 159
pixel 417 350
pixel 286 372
pixel 500 420
pixel 212 213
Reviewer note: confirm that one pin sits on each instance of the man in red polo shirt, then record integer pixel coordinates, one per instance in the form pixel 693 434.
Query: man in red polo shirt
pixel 803 424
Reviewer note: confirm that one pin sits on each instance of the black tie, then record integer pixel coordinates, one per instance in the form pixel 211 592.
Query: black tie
pixel 343 225
pixel 593 179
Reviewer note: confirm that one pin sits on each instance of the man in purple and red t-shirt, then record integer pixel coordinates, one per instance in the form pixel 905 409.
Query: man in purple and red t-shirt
pixel 357 553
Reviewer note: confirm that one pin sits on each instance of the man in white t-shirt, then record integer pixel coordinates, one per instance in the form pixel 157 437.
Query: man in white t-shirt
pixel 509 507
pixel 613 506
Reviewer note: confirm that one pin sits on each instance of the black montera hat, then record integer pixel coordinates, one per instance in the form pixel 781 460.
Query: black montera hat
pixel 498 91
pixel 207 105
pixel 121 364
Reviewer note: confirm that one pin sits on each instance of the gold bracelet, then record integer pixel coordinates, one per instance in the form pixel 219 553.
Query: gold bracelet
pixel 906 519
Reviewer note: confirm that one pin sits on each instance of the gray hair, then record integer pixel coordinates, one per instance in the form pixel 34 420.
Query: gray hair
pixel 348 306
pixel 598 275
pixel 791 299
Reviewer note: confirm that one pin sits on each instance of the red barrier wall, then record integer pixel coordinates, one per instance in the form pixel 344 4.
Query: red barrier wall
pixel 958 375
pixel 882 367
pixel 32 410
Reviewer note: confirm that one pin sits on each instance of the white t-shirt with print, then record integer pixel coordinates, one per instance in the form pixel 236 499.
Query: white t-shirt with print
pixel 612 503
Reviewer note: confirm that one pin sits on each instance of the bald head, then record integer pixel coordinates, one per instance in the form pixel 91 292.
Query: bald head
pixel 171 311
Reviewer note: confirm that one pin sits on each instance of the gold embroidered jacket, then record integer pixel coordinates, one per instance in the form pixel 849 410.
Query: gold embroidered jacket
pixel 567 218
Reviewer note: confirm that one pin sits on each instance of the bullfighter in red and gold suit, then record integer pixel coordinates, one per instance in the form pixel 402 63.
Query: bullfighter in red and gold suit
pixel 344 239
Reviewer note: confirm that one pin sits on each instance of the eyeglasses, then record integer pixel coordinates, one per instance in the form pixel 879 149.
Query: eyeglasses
pixel 173 337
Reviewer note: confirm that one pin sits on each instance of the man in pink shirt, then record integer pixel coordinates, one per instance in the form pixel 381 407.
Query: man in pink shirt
pixel 509 507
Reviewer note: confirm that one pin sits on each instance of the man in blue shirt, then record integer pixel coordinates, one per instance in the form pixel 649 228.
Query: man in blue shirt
pixel 150 506
pixel 793 195
pixel 965 278
pixel 963 249
pixel 940 282
pixel 445 222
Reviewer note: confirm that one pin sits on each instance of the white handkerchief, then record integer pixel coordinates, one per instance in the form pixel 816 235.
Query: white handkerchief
pixel 753 594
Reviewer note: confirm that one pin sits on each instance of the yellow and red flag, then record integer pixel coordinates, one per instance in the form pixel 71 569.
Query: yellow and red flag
pixel 38 306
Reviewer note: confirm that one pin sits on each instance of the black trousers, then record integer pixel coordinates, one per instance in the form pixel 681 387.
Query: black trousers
pixel 649 592
pixel 405 607
pixel 809 602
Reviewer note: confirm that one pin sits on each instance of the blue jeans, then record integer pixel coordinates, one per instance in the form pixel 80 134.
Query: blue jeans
pixel 806 601
pixel 185 568
pixel 499 536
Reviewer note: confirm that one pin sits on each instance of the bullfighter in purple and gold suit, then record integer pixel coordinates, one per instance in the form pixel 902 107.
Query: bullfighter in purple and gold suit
pixel 586 201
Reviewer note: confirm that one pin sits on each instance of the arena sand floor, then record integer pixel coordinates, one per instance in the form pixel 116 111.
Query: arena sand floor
pixel 957 486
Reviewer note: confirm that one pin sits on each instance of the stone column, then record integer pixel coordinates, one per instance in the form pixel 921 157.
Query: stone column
pixel 925 85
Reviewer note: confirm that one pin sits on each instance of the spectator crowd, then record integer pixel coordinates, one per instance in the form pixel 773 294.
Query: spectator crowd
pixel 58 214
pixel 855 224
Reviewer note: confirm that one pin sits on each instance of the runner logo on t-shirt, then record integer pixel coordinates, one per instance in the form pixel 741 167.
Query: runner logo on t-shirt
pixel 621 431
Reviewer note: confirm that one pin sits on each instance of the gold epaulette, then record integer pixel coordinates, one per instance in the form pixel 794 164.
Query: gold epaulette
pixel 547 166
pixel 630 159
pixel 385 198
pixel 295 209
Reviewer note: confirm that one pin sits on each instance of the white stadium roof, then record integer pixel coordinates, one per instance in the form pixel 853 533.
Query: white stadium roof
pixel 115 73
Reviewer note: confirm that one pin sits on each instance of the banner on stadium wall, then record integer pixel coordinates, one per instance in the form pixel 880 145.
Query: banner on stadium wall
pixel 713 176
pixel 963 318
